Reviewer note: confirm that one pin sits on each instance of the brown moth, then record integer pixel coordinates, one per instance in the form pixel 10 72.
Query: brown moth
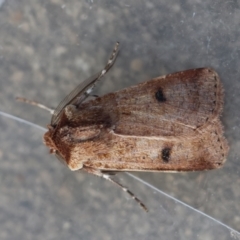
pixel 169 123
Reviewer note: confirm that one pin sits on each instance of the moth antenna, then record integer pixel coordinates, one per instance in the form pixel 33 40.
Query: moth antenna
pixel 107 177
pixel 109 64
pixel 34 103
pixel 114 54
pixel 111 60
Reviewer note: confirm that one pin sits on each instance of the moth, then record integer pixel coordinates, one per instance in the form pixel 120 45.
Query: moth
pixel 169 123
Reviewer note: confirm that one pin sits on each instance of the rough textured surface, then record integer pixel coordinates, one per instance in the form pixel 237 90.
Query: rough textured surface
pixel 46 48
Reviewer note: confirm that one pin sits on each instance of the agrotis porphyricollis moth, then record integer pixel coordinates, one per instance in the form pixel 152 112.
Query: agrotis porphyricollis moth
pixel 169 123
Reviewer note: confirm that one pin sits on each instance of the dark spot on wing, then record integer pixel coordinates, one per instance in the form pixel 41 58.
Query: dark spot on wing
pixel 166 152
pixel 160 96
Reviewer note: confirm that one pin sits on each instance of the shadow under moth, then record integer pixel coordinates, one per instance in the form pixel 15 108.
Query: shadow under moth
pixel 169 123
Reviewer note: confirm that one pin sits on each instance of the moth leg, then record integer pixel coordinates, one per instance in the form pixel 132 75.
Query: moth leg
pixel 94 96
pixel 111 173
pixel 31 102
pixel 106 176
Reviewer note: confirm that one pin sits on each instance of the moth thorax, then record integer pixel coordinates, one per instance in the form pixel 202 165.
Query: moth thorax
pixel 70 111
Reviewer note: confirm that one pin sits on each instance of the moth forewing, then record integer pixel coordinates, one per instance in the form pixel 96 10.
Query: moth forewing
pixel 172 105
pixel 113 152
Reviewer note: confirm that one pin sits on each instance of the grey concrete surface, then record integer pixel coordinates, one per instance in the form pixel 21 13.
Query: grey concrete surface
pixel 46 48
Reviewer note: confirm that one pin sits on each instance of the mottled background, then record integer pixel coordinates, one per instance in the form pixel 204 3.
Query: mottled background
pixel 46 48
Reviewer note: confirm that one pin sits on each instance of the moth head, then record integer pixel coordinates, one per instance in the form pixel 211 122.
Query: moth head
pixel 48 141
